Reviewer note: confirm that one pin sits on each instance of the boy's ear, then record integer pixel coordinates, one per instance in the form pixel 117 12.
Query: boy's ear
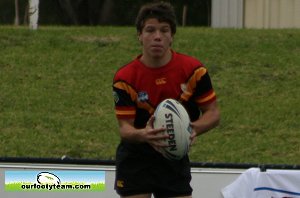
pixel 172 38
pixel 139 37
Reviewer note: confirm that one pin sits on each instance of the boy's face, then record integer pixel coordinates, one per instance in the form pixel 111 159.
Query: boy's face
pixel 156 38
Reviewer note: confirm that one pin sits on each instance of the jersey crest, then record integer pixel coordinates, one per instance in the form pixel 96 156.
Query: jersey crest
pixel 143 97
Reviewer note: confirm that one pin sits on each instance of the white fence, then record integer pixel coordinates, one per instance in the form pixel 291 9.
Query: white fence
pixel 256 14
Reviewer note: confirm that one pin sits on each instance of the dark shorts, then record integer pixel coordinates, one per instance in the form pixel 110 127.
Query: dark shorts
pixel 143 173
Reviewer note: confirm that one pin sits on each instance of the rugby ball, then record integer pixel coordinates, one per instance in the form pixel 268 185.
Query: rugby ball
pixel 47 178
pixel 171 115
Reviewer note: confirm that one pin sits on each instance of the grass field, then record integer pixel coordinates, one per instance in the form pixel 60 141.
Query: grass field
pixel 56 98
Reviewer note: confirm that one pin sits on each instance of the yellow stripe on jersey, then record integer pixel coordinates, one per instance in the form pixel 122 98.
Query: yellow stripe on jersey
pixel 134 97
pixel 124 86
pixel 201 100
pixel 146 106
pixel 123 112
pixel 192 83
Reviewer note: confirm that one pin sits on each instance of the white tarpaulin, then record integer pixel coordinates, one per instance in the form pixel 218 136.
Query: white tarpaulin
pixel 254 183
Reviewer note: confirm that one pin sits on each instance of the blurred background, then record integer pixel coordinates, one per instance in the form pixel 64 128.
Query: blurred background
pixel 99 12
pixel 262 14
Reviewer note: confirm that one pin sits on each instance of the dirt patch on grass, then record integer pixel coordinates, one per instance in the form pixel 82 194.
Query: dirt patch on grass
pixel 97 39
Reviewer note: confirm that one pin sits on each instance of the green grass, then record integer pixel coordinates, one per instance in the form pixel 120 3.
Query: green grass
pixel 56 98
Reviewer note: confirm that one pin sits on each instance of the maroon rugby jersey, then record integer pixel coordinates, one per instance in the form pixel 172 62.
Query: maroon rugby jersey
pixel 138 89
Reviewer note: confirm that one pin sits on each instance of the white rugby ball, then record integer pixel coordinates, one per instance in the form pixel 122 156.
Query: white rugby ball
pixel 171 115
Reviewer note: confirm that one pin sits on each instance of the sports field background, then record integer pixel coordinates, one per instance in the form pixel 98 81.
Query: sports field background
pixel 56 99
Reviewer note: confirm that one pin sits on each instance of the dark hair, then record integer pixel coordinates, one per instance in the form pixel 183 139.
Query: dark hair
pixel 162 11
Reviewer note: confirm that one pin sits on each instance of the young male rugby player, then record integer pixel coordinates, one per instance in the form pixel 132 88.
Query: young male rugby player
pixel 138 87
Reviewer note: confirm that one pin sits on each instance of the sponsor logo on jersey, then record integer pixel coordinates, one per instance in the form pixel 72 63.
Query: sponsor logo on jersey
pixel 161 81
pixel 143 97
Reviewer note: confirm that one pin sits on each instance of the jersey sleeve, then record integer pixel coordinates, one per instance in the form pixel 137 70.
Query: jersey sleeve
pixel 199 87
pixel 124 97
pixel 205 93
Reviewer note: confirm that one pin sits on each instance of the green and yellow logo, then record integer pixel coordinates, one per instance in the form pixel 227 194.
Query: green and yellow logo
pixel 55 181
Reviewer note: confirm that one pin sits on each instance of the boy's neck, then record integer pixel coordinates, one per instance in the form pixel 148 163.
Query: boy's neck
pixel 154 62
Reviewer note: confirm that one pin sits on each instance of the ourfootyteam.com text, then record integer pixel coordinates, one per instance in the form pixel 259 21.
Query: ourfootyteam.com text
pixel 54 186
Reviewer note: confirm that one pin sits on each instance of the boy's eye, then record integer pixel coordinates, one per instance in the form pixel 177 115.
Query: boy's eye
pixel 149 29
pixel 165 30
pixel 152 29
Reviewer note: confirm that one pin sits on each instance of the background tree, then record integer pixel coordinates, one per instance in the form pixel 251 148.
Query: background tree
pixel 17 19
